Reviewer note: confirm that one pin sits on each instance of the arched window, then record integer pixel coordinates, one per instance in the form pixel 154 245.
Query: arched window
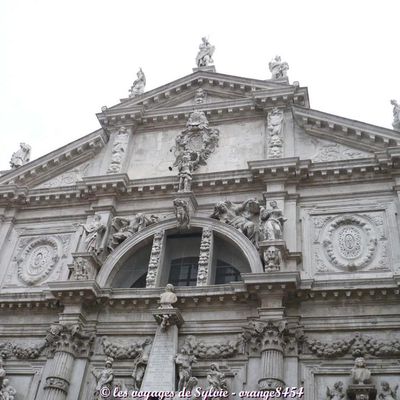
pixel 179 261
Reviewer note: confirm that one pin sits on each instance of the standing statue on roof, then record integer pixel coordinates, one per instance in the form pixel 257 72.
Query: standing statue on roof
pixel 137 87
pixel 206 51
pixel 21 156
pixel 278 68
pixel 396 115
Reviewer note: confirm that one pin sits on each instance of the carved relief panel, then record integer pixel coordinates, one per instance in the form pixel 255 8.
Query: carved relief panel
pixel 36 258
pixel 347 241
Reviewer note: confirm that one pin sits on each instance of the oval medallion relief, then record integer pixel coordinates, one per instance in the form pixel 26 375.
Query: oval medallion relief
pixel 350 242
pixel 37 260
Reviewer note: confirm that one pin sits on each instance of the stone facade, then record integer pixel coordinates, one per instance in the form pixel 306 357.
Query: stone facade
pixel 277 225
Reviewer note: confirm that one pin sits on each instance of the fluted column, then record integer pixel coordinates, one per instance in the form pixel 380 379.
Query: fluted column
pixel 272 366
pixel 57 384
pixel 68 343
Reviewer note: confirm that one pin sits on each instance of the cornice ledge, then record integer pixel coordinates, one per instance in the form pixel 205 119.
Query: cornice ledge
pixel 81 149
pixel 91 184
pixel 349 129
pixel 272 280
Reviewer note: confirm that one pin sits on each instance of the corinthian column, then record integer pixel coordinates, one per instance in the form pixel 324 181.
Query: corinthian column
pixel 68 342
pixel 269 337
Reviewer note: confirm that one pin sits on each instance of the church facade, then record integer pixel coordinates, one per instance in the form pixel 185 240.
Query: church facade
pixel 214 232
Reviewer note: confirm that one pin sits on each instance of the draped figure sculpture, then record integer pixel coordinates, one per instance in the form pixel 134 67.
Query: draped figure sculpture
pixel 271 222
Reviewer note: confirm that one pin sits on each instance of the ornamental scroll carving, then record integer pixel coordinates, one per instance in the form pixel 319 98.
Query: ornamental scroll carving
pixel 349 242
pixel 37 257
pixel 154 262
pixel 118 152
pixel 274 127
pixel 193 147
pixel 204 258
pixel 210 351
pixel 358 345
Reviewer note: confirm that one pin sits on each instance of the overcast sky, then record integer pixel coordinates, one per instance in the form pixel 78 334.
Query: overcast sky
pixel 62 60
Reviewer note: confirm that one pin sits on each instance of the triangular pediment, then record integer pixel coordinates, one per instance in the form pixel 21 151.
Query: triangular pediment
pixel 221 87
pixel 351 134
pixel 58 168
pixel 66 178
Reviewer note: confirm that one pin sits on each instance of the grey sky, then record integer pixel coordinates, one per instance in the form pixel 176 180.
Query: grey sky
pixel 62 60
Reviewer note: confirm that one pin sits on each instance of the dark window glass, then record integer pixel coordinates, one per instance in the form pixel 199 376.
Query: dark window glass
pixel 183 271
pixel 225 273
pixel 140 282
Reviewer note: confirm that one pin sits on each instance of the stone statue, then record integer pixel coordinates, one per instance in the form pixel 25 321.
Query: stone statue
pixel 124 228
pixel 336 393
pixel 278 68
pixel 396 114
pixel 272 259
pixel 182 213
pixel 206 51
pixel 200 96
pixel 271 222
pixel 103 378
pixel 138 86
pixel 168 297
pixel 243 217
pixel 184 362
pixel 7 392
pixel 94 234
pixel 387 393
pixel 185 168
pixel 21 156
pixel 360 374
pixel 216 378
pixel 274 126
pixel 140 364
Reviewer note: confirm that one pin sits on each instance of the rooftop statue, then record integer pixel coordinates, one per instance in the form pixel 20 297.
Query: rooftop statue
pixel 396 114
pixel 21 156
pixel 278 68
pixel 138 85
pixel 206 51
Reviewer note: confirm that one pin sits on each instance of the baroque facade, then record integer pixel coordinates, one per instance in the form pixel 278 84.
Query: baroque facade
pixel 213 232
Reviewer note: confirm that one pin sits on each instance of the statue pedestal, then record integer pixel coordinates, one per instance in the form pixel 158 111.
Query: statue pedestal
pixel 160 371
pixel 274 254
pixel 85 266
pixel 209 68
pixel 361 392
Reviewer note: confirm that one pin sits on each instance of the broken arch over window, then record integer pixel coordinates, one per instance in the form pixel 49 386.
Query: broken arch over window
pixel 231 254
pixel 179 262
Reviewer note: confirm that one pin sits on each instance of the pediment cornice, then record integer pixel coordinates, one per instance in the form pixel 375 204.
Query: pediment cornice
pixel 346 131
pixel 238 95
pixel 57 161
